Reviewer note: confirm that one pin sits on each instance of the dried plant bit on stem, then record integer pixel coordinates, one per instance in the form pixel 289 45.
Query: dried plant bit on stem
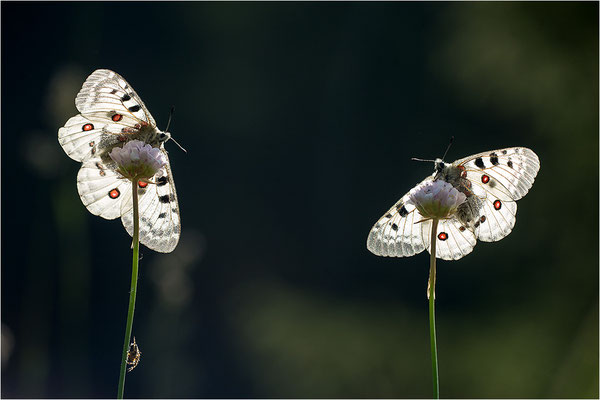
pixel 133 355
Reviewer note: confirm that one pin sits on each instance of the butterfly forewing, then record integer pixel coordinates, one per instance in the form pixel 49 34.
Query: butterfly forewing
pixel 111 115
pixel 513 169
pixel 105 95
pixel 492 182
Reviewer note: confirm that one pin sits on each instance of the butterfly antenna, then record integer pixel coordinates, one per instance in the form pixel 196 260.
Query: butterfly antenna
pixel 170 116
pixel 420 159
pixel 167 129
pixel 178 145
pixel 448 148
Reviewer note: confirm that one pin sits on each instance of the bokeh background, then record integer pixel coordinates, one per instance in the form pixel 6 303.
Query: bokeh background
pixel 300 120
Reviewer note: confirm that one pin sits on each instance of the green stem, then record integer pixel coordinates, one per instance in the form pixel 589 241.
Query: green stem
pixel 431 295
pixel 133 290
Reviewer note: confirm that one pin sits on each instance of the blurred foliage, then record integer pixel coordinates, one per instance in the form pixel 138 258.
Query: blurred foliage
pixel 300 120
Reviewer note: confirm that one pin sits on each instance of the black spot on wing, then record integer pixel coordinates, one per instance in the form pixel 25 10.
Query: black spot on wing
pixel 395 227
pixel 509 163
pixel 134 108
pixel 126 97
pixel 402 210
pixel 162 215
pixel 162 181
pixel 479 163
pixel 494 158
pixel 164 199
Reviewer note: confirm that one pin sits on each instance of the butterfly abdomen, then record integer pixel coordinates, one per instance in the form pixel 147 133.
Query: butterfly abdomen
pixel 468 212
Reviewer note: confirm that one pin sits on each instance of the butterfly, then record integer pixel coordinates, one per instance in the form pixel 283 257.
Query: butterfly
pixel 111 114
pixel 491 181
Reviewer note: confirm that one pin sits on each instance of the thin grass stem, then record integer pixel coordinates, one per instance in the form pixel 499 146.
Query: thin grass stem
pixel 431 295
pixel 133 290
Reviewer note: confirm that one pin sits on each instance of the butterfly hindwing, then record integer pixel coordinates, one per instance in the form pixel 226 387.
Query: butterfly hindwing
pixel 398 235
pixel 160 225
pixel 101 190
pixel 80 136
pixel 453 239
pixel 496 219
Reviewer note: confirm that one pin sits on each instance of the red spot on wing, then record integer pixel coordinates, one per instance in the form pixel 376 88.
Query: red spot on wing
pixel 442 236
pixel 142 184
pixel 87 127
pixel 117 117
pixel 113 194
pixel 485 178
pixel 497 204
pixel 92 143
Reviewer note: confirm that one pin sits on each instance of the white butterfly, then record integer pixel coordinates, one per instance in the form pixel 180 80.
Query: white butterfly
pixel 492 182
pixel 111 115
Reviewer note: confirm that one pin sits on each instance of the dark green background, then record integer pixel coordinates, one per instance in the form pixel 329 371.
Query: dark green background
pixel 300 120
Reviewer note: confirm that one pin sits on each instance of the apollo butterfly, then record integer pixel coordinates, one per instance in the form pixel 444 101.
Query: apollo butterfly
pixel 492 182
pixel 112 114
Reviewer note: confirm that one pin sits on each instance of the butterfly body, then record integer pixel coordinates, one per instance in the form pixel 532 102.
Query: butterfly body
pixel 112 114
pixel 491 181
pixel 145 133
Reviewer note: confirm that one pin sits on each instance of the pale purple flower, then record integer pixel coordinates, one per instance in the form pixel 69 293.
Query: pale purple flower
pixel 138 160
pixel 436 199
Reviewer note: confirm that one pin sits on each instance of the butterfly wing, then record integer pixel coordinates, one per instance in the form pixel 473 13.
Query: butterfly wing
pixel 499 178
pixel 106 96
pixel 399 233
pixel 160 225
pixel 497 218
pixel 403 232
pixel 512 170
pixel 80 136
pixel 109 106
pixel 453 240
pixel 101 189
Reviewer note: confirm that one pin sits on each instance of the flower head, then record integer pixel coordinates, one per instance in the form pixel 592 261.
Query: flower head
pixel 138 160
pixel 436 199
